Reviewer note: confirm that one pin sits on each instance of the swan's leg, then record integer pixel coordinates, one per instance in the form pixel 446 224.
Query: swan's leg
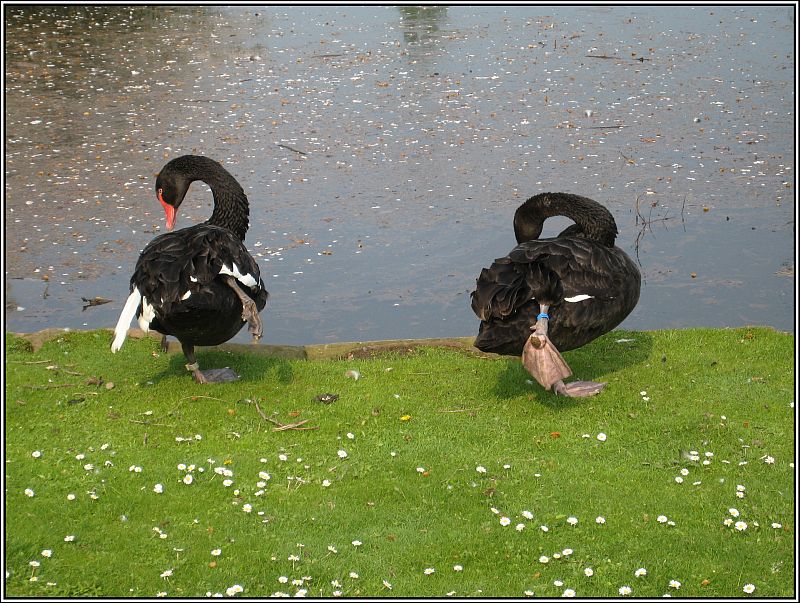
pixel 192 366
pixel 540 328
pixel 211 375
pixel 164 344
pixel 547 365
pixel 249 309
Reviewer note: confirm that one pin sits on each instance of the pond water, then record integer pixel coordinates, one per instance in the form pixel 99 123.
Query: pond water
pixel 385 149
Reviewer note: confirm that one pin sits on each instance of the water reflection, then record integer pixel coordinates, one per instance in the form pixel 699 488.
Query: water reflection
pixel 422 24
pixel 422 128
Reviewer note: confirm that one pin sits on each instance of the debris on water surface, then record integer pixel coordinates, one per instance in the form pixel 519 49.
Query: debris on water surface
pixel 95 301
pixel 386 130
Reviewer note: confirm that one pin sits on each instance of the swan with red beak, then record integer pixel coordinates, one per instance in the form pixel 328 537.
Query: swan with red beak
pixel 198 284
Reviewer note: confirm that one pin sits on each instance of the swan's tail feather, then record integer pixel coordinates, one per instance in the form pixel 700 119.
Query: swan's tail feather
pixel 128 312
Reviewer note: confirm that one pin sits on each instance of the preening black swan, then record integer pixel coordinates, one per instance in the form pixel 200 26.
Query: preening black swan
pixel 199 283
pixel 558 293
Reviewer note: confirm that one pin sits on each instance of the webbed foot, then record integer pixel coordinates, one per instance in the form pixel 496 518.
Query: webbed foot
pixel 578 389
pixel 249 310
pixel 545 363
pixel 223 375
pixel 250 314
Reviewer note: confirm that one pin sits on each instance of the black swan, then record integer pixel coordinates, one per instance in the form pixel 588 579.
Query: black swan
pixel 558 293
pixel 199 283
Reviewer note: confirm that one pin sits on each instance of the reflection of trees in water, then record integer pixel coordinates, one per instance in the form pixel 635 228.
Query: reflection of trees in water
pixel 67 63
pixel 422 33
pixel 71 47
pixel 421 24
pixel 77 48
pixel 73 69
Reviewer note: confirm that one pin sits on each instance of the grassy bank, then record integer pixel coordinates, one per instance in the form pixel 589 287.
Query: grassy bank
pixel 435 472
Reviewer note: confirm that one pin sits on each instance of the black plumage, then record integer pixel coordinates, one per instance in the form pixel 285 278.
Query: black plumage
pixel 198 284
pixel 580 264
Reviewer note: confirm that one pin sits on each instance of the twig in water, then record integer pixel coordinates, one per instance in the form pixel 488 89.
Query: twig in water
pixel 95 301
pixel 648 222
pixel 605 56
pixel 683 222
pixel 641 232
pixel 287 147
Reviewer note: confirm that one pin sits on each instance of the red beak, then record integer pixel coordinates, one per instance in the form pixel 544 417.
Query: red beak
pixel 169 211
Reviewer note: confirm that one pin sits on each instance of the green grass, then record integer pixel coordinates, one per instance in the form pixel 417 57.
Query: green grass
pixel 724 392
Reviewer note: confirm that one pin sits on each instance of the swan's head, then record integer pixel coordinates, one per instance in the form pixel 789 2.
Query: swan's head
pixel 171 187
pixel 530 216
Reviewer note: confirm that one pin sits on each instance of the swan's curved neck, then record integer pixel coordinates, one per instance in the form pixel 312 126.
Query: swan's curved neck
pixel 231 208
pixel 592 220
